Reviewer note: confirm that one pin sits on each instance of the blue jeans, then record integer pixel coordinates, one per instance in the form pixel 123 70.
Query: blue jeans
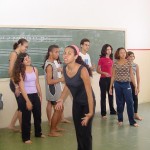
pixel 124 92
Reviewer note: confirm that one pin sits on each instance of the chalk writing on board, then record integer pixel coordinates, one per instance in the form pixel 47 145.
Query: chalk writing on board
pixel 36 38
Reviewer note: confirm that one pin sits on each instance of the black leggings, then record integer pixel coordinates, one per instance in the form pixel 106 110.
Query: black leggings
pixel 135 98
pixel 26 117
pixel 83 133
pixel 104 84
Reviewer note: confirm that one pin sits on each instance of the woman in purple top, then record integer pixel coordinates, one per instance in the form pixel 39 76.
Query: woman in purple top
pixel 26 76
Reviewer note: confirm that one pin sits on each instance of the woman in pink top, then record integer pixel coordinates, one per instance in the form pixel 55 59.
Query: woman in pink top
pixel 26 76
pixel 105 69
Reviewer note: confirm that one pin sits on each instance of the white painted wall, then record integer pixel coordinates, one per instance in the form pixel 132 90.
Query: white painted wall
pixel 131 15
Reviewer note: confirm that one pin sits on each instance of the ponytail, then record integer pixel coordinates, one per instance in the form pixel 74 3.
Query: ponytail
pixel 20 41
pixel 50 48
pixel 80 61
pixel 15 45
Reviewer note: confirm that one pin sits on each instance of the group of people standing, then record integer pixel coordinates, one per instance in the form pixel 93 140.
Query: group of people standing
pixel 121 74
pixel 76 72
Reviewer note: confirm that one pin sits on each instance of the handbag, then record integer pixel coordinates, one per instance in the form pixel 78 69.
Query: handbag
pixel 1 101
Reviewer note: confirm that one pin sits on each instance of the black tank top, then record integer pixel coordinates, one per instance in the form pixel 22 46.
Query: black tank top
pixel 76 87
pixel 11 84
pixel 16 54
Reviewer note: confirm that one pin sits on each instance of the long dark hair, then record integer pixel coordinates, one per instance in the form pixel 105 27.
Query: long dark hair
pixel 20 41
pixel 50 48
pixel 19 68
pixel 80 61
pixel 104 49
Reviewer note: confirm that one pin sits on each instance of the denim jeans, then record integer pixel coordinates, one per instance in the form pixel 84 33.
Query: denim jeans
pixel 124 92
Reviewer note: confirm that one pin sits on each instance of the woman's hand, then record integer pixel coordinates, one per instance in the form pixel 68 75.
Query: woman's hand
pixel 85 119
pixel 29 105
pixel 60 69
pixel 17 91
pixel 40 97
pixel 136 91
pixel 110 91
pixel 61 79
pixel 59 105
pixel 106 74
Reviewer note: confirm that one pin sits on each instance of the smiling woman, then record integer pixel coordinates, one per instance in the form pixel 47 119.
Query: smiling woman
pixel 26 76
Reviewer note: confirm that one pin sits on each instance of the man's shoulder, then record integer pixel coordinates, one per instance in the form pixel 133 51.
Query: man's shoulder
pixel 81 54
pixel 87 55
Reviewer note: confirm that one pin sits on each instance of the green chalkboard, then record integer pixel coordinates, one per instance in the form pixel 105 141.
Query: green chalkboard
pixel 40 38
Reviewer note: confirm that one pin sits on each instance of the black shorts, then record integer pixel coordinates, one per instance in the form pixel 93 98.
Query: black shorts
pixel 19 101
pixel 12 86
pixel 53 102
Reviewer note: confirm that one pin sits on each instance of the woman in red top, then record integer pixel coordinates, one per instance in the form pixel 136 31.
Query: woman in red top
pixel 105 69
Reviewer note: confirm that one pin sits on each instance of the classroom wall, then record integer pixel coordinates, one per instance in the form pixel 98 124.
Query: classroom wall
pixel 130 15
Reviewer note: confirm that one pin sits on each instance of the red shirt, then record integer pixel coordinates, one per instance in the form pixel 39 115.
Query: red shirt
pixel 105 65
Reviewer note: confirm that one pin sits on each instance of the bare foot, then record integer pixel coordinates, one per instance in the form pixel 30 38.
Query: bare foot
pixel 54 134
pixel 65 121
pixel 59 129
pixel 28 142
pixel 120 124
pixel 14 129
pixel 104 117
pixel 138 118
pixel 135 125
pixel 43 136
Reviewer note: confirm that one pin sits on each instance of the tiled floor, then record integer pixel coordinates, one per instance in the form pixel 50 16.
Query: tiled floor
pixel 106 135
